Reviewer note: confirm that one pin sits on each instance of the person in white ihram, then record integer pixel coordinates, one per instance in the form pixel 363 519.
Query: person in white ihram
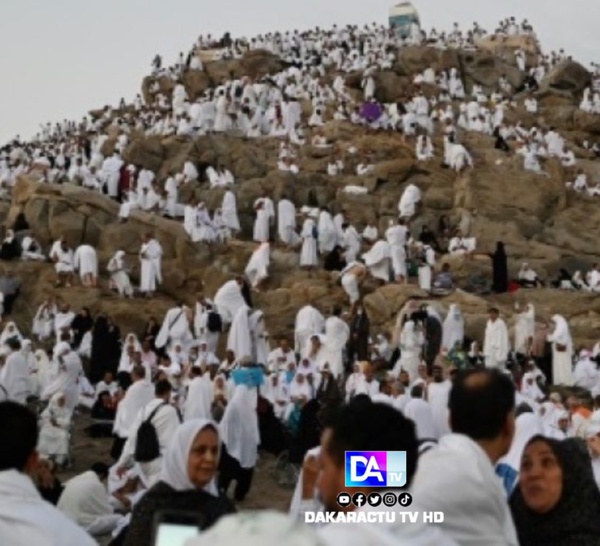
pixel 25 518
pixel 496 344
pixel 175 328
pixel 86 262
pixel 150 259
pixel 86 501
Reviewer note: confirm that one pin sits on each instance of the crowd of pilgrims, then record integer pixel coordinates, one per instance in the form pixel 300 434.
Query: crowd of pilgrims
pixel 170 374
pixel 188 375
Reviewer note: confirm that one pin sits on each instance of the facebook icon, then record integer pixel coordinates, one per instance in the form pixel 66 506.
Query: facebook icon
pixel 375 468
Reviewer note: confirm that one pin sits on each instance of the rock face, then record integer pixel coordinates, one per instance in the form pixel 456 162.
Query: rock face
pixel 497 201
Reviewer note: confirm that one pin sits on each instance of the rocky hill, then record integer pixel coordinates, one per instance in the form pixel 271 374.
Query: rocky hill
pixel 538 220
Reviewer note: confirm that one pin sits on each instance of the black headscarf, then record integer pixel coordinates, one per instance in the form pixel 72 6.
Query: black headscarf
pixel 575 520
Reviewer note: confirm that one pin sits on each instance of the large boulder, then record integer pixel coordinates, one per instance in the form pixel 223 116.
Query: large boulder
pixel 567 77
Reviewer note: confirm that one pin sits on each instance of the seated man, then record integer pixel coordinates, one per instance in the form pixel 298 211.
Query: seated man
pixel 85 500
pixel 528 278
pixel 25 518
pixel 461 246
pixel 444 280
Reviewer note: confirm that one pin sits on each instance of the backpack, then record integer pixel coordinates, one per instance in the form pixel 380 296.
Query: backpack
pixel 214 322
pixel 147 448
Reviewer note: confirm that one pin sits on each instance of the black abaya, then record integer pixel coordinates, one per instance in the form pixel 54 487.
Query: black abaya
pixel 358 344
pixel 106 351
pixel 500 270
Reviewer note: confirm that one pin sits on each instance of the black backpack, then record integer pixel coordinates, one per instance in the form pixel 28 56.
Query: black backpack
pixel 214 322
pixel 147 448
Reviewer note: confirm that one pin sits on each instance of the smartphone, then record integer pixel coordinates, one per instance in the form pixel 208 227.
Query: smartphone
pixel 176 528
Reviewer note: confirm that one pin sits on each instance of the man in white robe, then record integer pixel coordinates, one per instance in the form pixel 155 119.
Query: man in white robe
pixel 457 476
pixel 396 235
pixel 353 274
pixel 286 223
pixel 562 351
pixel 408 201
pixel 229 299
pixel 25 518
pixel 86 262
pixel 62 321
pixel 280 359
pixel 151 271
pixel 261 223
pixel 524 330
pixel 204 307
pixel 337 334
pixel 378 260
pixel 200 396
pixel 86 501
pixel 165 420
pixel 351 242
pixel 69 369
pixel 138 395
pixel 308 251
pixel 175 329
pixel 437 394
pixel 239 339
pixel 496 344
pixel 453 328
pixel 229 212
pixel 62 256
pixel 111 169
pixel 309 321
pixel 257 269
pixel 119 277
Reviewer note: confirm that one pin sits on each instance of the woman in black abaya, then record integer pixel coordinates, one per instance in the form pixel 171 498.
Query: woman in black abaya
pixel 358 344
pixel 500 269
pixel 106 351
pixel 81 325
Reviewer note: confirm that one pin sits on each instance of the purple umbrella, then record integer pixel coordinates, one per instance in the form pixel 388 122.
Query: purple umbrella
pixel 371 111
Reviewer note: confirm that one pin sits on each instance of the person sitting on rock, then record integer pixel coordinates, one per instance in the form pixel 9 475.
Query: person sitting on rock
pixel 62 256
pixel 444 280
pixel 461 246
pixel 528 278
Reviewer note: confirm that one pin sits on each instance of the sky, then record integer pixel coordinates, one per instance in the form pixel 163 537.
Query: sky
pixel 66 57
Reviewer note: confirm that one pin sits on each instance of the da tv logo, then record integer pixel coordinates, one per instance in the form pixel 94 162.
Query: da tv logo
pixel 375 468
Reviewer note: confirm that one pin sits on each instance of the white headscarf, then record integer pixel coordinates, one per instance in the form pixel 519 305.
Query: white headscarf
pixel 175 463
pixel 561 334
pixel 527 425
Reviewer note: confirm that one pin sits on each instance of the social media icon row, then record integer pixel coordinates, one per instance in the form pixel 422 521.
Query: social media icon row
pixel 374 499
